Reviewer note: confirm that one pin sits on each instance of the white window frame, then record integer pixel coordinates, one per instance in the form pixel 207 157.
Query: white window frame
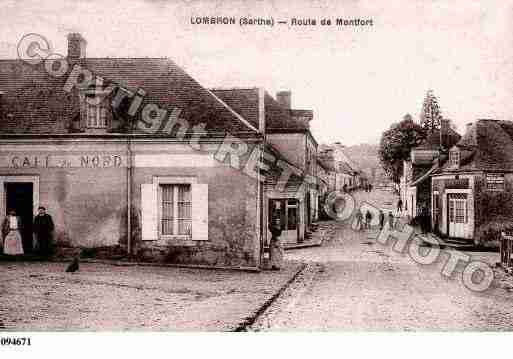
pixel 454 158
pixel 175 211
pixel 151 208
pixel 159 182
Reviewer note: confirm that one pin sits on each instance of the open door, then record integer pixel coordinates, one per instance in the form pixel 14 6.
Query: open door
pixel 19 196
pixel 289 218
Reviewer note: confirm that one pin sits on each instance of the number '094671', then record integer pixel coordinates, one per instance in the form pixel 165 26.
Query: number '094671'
pixel 15 341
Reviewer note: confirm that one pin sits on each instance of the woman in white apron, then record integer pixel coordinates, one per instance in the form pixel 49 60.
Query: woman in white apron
pixel 12 238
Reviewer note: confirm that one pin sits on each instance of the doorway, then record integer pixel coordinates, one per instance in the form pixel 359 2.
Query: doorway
pixel 19 196
pixel 288 210
pixel 458 215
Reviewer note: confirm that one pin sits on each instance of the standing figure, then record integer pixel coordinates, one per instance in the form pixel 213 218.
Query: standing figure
pixel 381 220
pixel 11 234
pixel 43 230
pixel 368 218
pixel 424 220
pixel 390 220
pixel 359 220
pixel 275 249
pixel 400 205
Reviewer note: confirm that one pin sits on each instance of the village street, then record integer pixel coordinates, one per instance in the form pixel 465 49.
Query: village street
pixel 40 296
pixel 354 283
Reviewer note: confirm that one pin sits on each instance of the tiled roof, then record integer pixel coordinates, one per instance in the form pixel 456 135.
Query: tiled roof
pixel 486 146
pixel 432 141
pixel 243 101
pixel 38 104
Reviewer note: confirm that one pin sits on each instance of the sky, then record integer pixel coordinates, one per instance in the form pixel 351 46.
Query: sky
pixel 357 80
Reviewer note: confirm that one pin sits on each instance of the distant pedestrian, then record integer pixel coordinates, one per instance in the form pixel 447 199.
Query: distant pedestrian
pixel 400 205
pixel 390 220
pixel 11 234
pixel 43 231
pixel 345 187
pixel 359 220
pixel 370 187
pixel 275 248
pixel 368 219
pixel 424 220
pixel 381 220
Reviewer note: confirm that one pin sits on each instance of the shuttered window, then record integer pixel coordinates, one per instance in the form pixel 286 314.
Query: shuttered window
pixel 174 207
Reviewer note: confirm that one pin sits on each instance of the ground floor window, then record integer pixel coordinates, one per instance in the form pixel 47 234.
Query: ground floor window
pixel 176 205
pixel 174 208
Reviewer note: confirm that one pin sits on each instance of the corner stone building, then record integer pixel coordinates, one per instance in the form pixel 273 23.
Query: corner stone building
pixel 100 172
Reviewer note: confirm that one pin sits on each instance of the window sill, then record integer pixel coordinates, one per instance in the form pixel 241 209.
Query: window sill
pixel 177 241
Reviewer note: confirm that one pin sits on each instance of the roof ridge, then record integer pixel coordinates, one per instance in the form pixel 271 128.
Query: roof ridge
pixel 232 88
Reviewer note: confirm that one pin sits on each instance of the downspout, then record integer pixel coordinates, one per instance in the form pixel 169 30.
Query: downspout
pixel 261 201
pixel 129 192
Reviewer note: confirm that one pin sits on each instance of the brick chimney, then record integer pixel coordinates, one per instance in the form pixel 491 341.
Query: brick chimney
pixel 76 46
pixel 444 132
pixel 284 98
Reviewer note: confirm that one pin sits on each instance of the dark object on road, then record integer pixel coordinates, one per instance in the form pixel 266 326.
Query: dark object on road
pixel 73 266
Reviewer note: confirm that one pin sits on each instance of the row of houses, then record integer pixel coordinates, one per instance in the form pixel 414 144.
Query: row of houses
pixel 346 175
pixel 463 183
pixel 133 154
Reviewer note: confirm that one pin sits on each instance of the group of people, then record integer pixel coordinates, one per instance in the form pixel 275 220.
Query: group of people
pixel 12 243
pixel 367 187
pixel 360 224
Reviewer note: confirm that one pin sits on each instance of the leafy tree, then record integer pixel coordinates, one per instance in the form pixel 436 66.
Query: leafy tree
pixel 430 116
pixel 396 143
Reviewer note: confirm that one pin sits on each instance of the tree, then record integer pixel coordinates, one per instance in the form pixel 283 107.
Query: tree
pixel 430 116
pixel 396 143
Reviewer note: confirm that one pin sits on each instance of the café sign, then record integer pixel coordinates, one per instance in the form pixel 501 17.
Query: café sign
pixel 63 161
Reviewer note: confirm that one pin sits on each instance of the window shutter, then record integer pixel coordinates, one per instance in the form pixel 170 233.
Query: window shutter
pixel 200 212
pixel 149 212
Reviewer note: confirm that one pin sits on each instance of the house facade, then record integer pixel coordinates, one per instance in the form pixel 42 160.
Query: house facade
pixel 293 190
pixel 415 182
pixel 132 155
pixel 472 191
pixel 347 175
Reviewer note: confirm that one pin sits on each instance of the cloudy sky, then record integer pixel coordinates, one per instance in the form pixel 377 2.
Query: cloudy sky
pixel 357 80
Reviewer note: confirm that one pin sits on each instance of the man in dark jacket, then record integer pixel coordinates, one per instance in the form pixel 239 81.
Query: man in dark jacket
pixel 381 220
pixel 43 229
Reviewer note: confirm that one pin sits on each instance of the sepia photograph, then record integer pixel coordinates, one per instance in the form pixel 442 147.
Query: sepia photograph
pixel 267 167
